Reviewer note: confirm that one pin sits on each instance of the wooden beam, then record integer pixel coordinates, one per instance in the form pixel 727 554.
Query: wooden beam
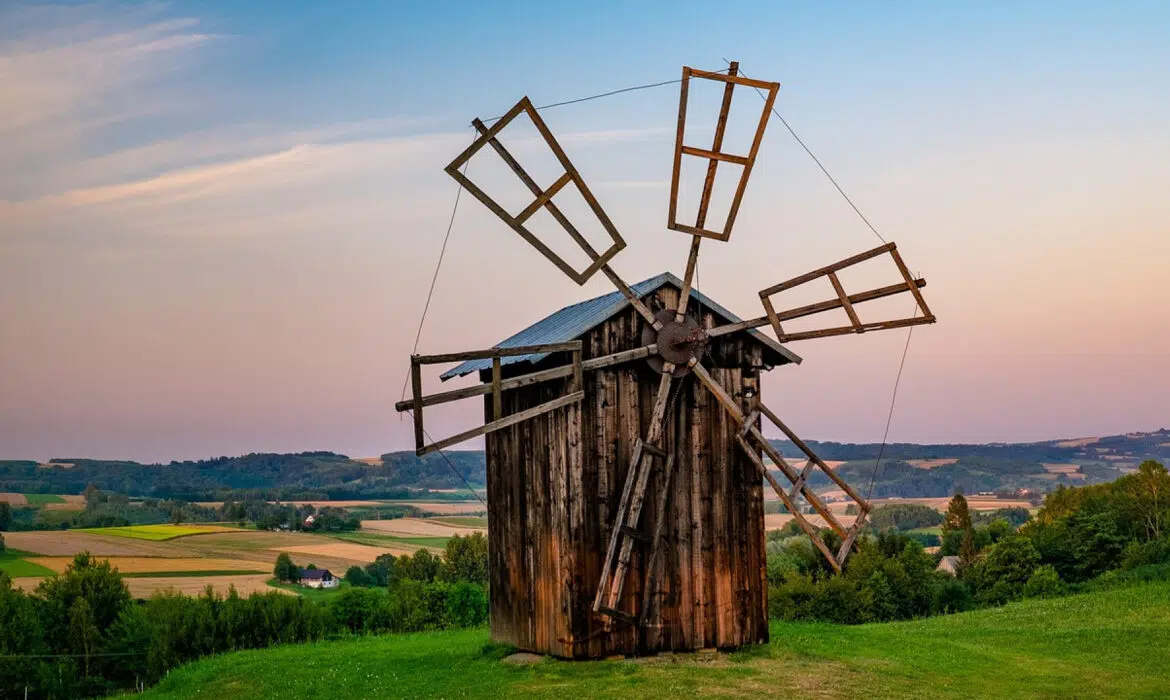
pixel 910 282
pixel 497 396
pixel 417 403
pixel 533 378
pixel 544 198
pixel 847 330
pixel 672 207
pixel 651 579
pixel 712 155
pixel 750 161
pixel 822 271
pixel 788 503
pixel 499 352
pixel 737 79
pixel 851 539
pixel 809 495
pixel 600 599
pixel 844 298
pixel 503 422
pixel 803 447
pixel 811 309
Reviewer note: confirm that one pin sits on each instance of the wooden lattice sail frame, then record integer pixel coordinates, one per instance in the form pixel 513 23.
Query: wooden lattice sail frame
pixel 673 343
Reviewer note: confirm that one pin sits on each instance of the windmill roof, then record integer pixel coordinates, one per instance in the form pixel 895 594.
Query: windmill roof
pixel 574 321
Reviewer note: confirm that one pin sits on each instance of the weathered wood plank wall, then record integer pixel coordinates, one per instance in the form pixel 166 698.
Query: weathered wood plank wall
pixel 554 482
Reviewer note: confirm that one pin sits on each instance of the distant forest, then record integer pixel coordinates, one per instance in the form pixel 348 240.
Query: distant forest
pixel 307 475
pixel 327 475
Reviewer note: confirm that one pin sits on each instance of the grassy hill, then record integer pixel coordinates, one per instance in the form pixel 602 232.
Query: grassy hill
pixel 1113 643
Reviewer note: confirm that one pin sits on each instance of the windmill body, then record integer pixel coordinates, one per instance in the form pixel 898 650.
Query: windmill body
pixel 625 452
pixel 554 482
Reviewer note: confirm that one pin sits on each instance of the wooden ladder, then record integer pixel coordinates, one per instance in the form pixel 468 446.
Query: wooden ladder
pixel 625 531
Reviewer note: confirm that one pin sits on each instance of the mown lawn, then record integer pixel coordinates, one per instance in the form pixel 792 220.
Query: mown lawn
pixel 13 563
pixel 1107 644
pixel 154 533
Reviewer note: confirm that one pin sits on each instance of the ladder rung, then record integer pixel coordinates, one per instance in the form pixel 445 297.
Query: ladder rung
pixel 618 614
pixel 635 534
pixel 654 450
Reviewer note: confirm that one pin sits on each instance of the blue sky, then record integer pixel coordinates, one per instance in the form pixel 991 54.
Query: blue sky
pixel 215 217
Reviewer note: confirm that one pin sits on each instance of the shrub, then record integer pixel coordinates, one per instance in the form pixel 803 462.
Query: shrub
pixel 1142 553
pixel 1044 583
pixel 952 596
pixel 467 605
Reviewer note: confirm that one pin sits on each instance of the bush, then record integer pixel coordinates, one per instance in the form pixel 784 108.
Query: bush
pixel 1044 583
pixel 952 596
pixel 357 576
pixel 1142 553
pixel 467 605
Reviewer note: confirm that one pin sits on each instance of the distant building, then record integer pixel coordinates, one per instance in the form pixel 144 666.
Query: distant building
pixel 309 521
pixel 318 578
pixel 948 565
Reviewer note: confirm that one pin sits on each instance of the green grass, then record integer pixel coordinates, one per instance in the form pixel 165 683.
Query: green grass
pixel 378 539
pixel 13 563
pixel 40 499
pixel 154 533
pixel 1113 644
pixel 463 520
pixel 317 595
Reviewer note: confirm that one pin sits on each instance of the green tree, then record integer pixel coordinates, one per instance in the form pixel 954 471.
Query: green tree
pixel 1148 494
pixel 466 559
pixel 5 516
pixel 95 581
pixel 285 569
pixel 1 544
pixel 83 633
pixel 467 605
pixel 21 635
pixel 1007 566
pixel 958 515
pixel 357 576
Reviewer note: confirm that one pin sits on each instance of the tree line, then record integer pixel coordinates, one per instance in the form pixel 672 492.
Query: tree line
pixel 81 634
pixel 1084 537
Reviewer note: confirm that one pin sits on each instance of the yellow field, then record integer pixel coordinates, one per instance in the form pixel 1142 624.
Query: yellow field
pixel 71 503
pixel 13 499
pixel 147 565
pixel 156 533
pixel 930 463
pixel 416 527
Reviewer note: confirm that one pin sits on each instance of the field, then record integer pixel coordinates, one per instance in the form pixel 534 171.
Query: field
pixel 41 499
pixel 155 533
pixel 188 557
pixel 16 564
pixel 1108 644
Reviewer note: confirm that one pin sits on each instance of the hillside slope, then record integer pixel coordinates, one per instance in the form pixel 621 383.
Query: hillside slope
pixel 1113 643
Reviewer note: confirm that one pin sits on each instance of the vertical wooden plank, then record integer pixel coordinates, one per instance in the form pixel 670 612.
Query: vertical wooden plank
pixel 417 411
pixel 497 396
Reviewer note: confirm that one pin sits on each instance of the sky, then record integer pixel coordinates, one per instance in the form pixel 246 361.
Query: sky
pixel 219 220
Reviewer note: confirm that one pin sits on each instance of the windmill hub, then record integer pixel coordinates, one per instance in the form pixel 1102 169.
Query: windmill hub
pixel 678 341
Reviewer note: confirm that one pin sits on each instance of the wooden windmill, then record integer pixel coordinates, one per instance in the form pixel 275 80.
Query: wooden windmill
pixel 625 457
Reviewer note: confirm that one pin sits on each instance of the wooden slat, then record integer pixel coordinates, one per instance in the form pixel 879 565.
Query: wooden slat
pixel 811 309
pixel 713 155
pixel 789 473
pixel 750 161
pixel 720 394
pixel 822 271
pixel 578 382
pixel 910 282
pixel 803 447
pixel 848 330
pixel 503 422
pixel 653 564
pixel 547 348
pixel 628 292
pixel 672 212
pixel 796 514
pixel 716 146
pixel 417 403
pixel 489 136
pixel 544 198
pixel 532 378
pixel 497 396
pixel 737 79
pixel 851 539
pixel 844 298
